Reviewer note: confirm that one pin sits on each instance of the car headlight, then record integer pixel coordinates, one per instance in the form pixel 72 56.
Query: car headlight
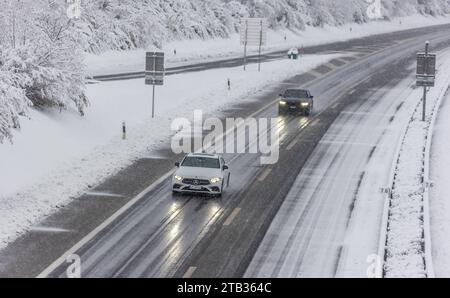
pixel 215 180
pixel 283 103
pixel 179 178
pixel 305 104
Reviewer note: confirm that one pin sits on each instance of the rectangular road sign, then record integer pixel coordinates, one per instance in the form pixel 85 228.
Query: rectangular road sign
pixel 426 64
pixel 154 68
pixel 153 79
pixel 425 81
pixel 253 31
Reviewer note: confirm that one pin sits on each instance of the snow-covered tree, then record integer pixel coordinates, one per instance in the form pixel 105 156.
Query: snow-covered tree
pixel 40 60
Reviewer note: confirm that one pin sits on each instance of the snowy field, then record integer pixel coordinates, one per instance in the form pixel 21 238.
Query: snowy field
pixel 56 156
pixel 191 51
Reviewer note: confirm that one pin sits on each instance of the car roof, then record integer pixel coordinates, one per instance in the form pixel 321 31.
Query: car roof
pixel 305 90
pixel 203 155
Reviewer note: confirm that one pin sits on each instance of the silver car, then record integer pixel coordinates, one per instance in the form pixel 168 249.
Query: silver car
pixel 201 173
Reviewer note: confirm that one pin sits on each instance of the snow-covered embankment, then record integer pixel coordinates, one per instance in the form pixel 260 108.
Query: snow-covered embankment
pixel 408 242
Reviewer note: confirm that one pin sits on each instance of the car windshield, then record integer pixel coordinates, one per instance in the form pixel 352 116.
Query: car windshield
pixel 201 162
pixel 296 94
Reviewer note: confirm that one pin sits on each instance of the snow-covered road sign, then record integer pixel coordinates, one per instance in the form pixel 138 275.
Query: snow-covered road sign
pixel 154 68
pixel 426 70
pixel 253 31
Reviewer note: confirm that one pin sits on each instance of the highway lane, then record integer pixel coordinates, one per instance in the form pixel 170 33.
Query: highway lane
pixel 162 234
pixel 308 236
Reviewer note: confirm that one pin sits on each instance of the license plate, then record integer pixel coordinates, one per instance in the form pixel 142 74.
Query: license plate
pixel 293 108
pixel 196 187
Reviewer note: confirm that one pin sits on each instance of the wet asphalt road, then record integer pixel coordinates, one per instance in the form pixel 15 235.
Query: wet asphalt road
pixel 162 235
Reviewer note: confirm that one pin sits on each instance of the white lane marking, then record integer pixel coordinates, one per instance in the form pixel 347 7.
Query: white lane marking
pixel 292 144
pixel 331 65
pixel 189 272
pixel 287 84
pixel 295 141
pixel 103 194
pixel 315 73
pixel 232 217
pixel 351 92
pixel 342 60
pixel 48 229
pixel 264 175
pixel 315 122
pixel 335 105
pixel 347 143
pixel 366 113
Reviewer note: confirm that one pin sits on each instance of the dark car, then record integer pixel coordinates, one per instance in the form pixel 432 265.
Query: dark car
pixel 296 101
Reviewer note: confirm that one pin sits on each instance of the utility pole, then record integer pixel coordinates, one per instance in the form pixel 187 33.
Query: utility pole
pixel 427 45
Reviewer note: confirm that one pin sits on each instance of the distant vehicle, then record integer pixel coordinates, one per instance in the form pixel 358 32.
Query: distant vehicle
pixel 293 53
pixel 201 173
pixel 296 100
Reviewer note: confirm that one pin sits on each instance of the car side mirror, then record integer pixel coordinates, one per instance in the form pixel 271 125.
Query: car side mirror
pixel 312 97
pixel 225 167
pixel 177 164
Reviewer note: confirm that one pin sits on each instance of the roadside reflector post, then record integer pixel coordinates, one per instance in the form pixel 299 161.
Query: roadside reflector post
pixel 124 130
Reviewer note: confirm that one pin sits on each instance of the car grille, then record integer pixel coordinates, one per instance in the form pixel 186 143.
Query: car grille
pixel 196 182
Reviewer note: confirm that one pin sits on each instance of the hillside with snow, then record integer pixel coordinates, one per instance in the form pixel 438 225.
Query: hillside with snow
pixel 127 24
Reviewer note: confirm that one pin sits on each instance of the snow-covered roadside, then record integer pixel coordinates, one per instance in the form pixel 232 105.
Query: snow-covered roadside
pixel 56 157
pixel 408 252
pixel 439 194
pixel 199 50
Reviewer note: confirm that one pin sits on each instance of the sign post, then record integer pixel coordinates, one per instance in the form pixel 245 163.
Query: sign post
pixel 154 73
pixel 253 33
pixel 245 43
pixel 260 45
pixel 426 74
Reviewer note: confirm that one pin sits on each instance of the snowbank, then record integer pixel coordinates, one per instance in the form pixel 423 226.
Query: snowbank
pixel 439 194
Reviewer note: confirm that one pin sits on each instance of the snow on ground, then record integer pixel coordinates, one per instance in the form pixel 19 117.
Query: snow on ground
pixel 361 243
pixel 407 252
pixel 440 193
pixel 56 156
pixel 190 51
